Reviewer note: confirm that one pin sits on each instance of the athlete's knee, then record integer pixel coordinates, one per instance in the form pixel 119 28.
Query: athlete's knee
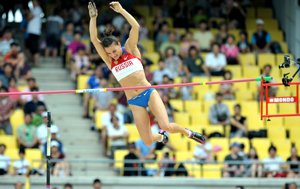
pixel 148 142
pixel 166 127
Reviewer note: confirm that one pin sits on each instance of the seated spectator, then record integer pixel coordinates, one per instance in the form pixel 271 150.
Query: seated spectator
pixel 18 185
pixel 30 107
pixel 148 74
pixel 68 186
pixel 194 64
pixel 187 43
pixel 272 164
pixel 37 119
pixel 61 168
pixel 162 35
pixel 173 62
pixel 131 169
pixel 97 184
pixel 23 69
pixel 5 43
pixel 144 60
pixel 27 98
pixel 204 37
pixel 199 15
pixel 4 161
pixel 272 90
pixel 66 38
pixel 13 88
pixel 81 63
pixel 238 124
pixel 26 133
pixel 145 152
pixel 231 51
pixel 243 44
pixel 233 169
pixel 227 88
pixel 172 93
pixel 186 91
pixel 54 133
pixel 143 32
pixel 203 152
pixel 158 74
pixel 8 73
pixel 7 107
pixel 235 14
pixel 166 167
pixel 72 48
pixel 215 61
pixel 118 136
pixel 292 185
pixel 165 81
pixel 170 43
pixel 222 36
pixel 21 167
pixel 102 100
pixel 293 167
pixel 254 168
pixel 12 57
pixel 261 40
pixel 219 113
pixel 170 110
pixel 124 33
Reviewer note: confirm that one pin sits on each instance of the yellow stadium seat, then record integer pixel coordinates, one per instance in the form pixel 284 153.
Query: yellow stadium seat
pixel 119 156
pixel 240 86
pixel 275 133
pixel 264 59
pixel 207 105
pixel 287 108
pixel 235 70
pixel 282 145
pixel 33 154
pixel 182 119
pixel 222 155
pixel 177 80
pixel 82 81
pixel 17 118
pixel 211 171
pixel 244 141
pixel 276 35
pixel 263 155
pixel 214 128
pixel 194 170
pixel 142 10
pixel 133 133
pixel 9 140
pixel 153 56
pixel 214 32
pixel 284 47
pixel 244 95
pixel 153 67
pixel 270 24
pixel 13 153
pixel 98 115
pixel 249 107
pixel 174 137
pixel 251 72
pixel 272 108
pixel 261 145
pixel 222 142
pixel 235 33
pixel 275 73
pixel 183 155
pixel 177 104
pixel 230 104
pixel 203 55
pixel 216 78
pixel 149 45
pixel 284 155
pixel 290 122
pixel 199 119
pixel 251 12
pixel 297 145
pixel 217 20
pixel 193 106
pixel 264 13
pixel 216 88
pixel 275 122
pixel 22 87
pixel 199 89
pixel 247 59
pixel 181 144
pixel 294 133
pixel 91 106
pixel 254 122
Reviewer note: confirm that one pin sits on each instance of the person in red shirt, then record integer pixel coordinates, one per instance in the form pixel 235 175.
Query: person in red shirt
pixel 12 57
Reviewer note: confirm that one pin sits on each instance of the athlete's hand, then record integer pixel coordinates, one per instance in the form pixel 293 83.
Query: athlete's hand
pixel 116 6
pixel 93 10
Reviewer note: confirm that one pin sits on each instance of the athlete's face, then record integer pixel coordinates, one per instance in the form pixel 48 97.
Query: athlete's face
pixel 114 51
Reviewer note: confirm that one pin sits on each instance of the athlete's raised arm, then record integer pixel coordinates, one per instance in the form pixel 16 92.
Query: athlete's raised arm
pixel 94 34
pixel 131 42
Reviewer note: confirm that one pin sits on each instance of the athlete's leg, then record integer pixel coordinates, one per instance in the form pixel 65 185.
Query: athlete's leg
pixel 158 109
pixel 142 122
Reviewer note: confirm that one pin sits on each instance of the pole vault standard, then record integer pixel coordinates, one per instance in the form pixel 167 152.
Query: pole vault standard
pixel 135 88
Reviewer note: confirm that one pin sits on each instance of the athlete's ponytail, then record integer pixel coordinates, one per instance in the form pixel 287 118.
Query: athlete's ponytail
pixel 109 38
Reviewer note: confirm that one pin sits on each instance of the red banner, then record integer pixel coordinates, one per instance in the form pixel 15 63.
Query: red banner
pixel 290 99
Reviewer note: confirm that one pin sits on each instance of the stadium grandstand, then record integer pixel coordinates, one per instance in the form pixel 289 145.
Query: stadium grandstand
pixel 45 45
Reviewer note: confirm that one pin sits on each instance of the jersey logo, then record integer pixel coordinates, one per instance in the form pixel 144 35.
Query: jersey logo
pixel 126 58
pixel 146 93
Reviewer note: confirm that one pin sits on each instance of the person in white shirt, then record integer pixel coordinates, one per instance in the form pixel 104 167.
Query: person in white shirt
pixel 5 43
pixel 204 37
pixel 34 30
pixel 202 152
pixel 159 74
pixel 272 164
pixel 216 61
pixel 117 135
pixel 4 161
pixel 27 98
pixel 21 167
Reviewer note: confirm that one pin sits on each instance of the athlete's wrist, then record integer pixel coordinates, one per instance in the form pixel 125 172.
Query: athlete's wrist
pixel 122 11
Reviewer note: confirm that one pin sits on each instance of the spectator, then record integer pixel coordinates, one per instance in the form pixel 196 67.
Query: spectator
pixel 159 23
pixel 7 107
pixel 102 100
pixel 158 74
pixel 199 15
pixel 272 90
pixel 144 32
pixel 173 62
pixel 203 152
pixel 13 88
pixel 165 81
pixel 30 107
pixel 12 57
pixel 148 74
pixel 272 164
pixel 54 28
pixel 61 168
pixel 233 169
pixel 194 64
pixel 125 33
pixel 97 184
pixel 243 44
pixel 54 133
pixel 222 36
pixel 215 61
pixel 253 168
pixel 66 38
pixel 182 15
pixel 34 31
pixel 37 119
pixel 186 91
pixel 145 60
pixel 26 133
pixel 81 63
pixel 231 51
pixel 238 124
pixel 68 186
pixel 293 167
pixel 2 20
pixel 204 37
pixel 172 93
pixel 8 73
pixel 187 43
pixel 21 167
pixel 236 15
pixel 131 169
pixel 19 185
pixel 4 161
pixel 24 25
pixel 170 43
pixel 162 35
pixel 118 135
pixel 166 167
pixel 170 110
pixel 145 152
pixel 227 88
pixel 292 185
pixel 27 98
pixel 72 48
pixel 22 69
pixel 261 39
pixel 219 112
pixel 5 44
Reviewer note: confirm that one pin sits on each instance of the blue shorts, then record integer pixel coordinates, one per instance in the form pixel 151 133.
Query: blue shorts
pixel 141 99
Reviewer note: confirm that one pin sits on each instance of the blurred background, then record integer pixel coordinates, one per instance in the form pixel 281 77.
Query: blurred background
pixel 45 45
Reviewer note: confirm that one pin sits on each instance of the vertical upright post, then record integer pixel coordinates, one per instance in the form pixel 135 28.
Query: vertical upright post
pixel 261 97
pixel 48 148
pixel 267 99
pixel 297 88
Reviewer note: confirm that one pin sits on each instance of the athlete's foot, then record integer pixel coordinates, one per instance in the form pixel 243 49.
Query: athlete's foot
pixel 196 136
pixel 164 139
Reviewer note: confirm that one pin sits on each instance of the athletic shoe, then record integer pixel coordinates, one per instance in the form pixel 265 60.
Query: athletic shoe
pixel 196 136
pixel 165 138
